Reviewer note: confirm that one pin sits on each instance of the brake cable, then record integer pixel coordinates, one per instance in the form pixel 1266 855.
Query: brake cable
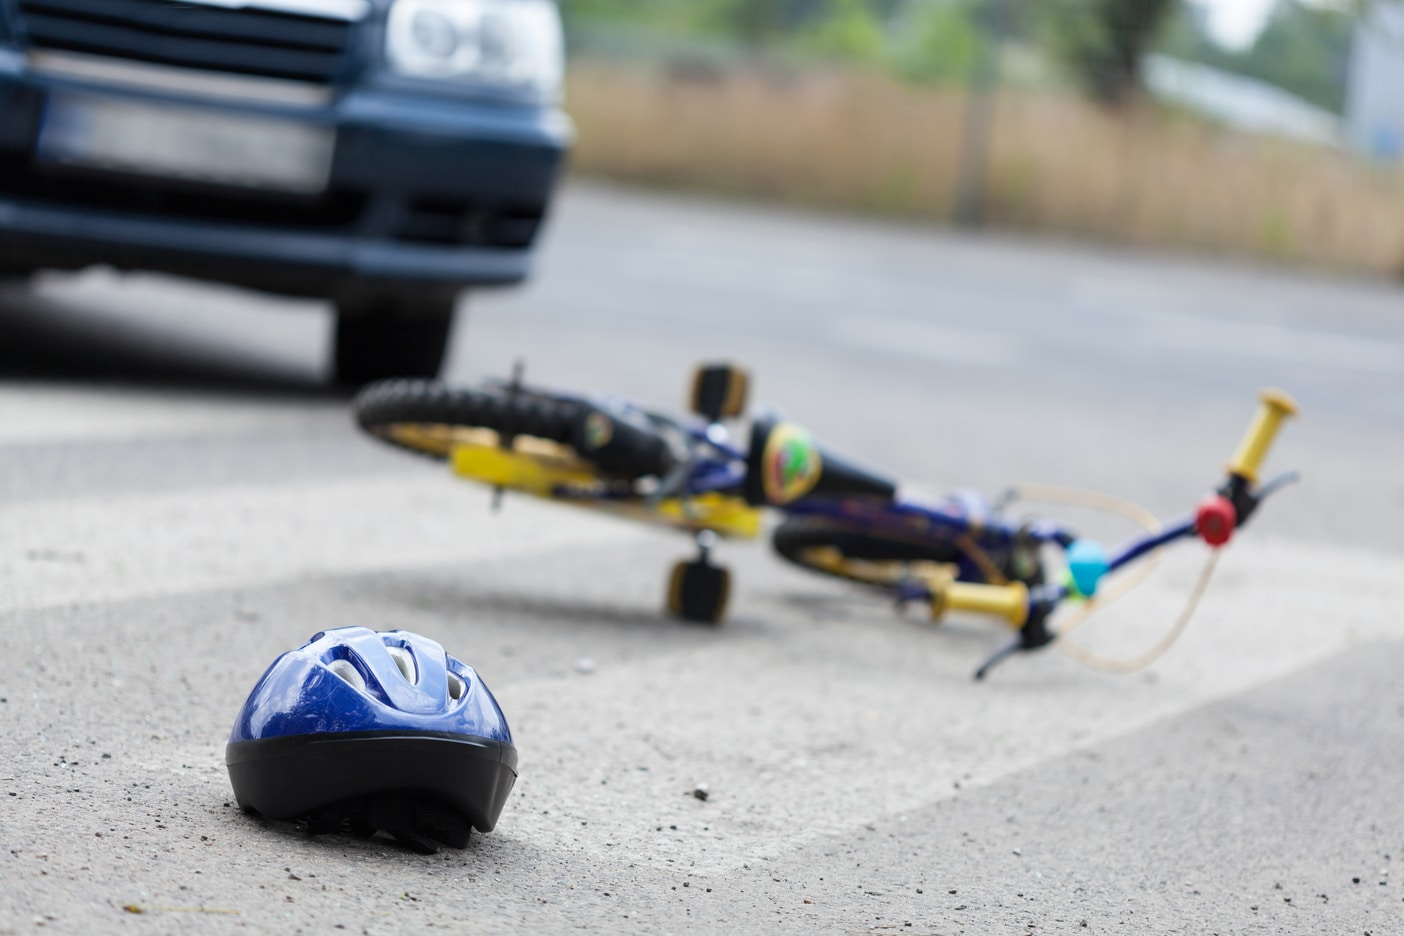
pixel 1135 664
pixel 1115 506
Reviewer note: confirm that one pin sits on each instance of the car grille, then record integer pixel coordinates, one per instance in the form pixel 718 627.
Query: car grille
pixel 242 41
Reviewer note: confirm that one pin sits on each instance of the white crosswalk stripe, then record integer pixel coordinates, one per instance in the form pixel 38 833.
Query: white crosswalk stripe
pixel 36 413
pixel 113 549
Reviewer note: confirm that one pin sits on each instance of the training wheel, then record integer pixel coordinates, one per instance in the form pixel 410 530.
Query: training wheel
pixel 698 592
pixel 719 391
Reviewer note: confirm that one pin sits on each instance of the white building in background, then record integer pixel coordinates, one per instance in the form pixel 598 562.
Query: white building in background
pixel 1375 97
pixel 1241 102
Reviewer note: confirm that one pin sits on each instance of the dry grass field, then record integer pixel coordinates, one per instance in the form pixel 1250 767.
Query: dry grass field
pixel 866 142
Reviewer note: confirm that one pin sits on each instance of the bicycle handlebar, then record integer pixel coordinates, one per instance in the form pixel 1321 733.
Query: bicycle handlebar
pixel 1010 602
pixel 1274 407
pixel 1215 522
pixel 1221 514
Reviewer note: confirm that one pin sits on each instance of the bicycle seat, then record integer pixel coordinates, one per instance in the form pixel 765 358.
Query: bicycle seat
pixel 785 465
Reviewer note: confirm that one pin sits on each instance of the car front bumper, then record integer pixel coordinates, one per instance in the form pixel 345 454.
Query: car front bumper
pixel 426 192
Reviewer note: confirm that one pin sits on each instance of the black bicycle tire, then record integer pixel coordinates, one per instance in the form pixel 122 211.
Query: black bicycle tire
pixel 795 535
pixel 520 411
pixel 388 403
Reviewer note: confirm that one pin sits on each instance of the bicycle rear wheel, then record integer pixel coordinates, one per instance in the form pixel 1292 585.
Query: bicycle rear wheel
pixel 429 417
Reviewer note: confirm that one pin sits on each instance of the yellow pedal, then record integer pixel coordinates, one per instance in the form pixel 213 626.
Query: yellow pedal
pixel 719 391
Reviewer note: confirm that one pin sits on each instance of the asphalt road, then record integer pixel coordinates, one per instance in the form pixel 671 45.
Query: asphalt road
pixel 181 500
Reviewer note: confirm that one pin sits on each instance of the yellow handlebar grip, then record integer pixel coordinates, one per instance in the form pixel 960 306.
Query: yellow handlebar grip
pixel 1274 407
pixel 1010 602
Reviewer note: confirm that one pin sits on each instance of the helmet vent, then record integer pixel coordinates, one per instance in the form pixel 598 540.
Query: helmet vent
pixel 404 662
pixel 348 673
pixel 457 688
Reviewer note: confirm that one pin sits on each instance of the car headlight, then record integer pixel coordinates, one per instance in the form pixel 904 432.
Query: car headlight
pixel 511 43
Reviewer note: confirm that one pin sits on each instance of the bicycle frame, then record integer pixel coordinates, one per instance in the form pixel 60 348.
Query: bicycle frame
pixel 961 518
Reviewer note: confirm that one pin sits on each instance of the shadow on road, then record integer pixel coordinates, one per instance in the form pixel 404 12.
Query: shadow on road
pixel 440 599
pixel 284 837
pixel 47 338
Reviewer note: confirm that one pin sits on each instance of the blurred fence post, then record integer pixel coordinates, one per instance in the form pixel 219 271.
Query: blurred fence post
pixel 978 127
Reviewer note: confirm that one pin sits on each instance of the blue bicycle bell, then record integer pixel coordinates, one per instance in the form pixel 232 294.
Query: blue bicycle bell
pixel 1087 565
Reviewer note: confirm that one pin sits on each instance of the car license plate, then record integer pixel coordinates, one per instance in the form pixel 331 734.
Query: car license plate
pixel 186 143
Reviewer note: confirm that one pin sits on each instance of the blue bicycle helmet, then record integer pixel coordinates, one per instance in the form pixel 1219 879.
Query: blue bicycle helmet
pixel 363 732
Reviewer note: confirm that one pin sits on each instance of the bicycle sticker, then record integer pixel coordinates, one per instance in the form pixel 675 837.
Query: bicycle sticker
pixel 599 430
pixel 792 464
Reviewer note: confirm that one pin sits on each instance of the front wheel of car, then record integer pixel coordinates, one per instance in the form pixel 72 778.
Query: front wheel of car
pixel 400 337
pixel 15 276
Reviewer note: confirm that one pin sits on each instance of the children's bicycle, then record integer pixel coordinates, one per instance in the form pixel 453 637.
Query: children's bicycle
pixel 957 554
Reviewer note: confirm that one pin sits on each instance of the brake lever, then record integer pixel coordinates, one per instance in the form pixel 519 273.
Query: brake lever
pixel 1278 483
pixel 1000 656
pixel 1034 635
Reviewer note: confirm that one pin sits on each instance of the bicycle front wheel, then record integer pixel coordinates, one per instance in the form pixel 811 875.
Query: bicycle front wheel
pixel 841 550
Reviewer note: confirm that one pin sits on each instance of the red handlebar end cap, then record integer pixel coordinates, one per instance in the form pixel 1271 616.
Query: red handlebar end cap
pixel 1215 520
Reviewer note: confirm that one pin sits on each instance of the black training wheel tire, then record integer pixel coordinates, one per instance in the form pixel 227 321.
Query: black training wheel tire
pixel 391 338
pixel 15 277
pixel 698 592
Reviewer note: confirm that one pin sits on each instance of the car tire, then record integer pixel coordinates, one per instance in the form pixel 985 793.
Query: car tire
pixel 396 337
pixel 15 276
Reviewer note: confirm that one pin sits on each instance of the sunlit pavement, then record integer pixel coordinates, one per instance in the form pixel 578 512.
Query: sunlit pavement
pixel 180 501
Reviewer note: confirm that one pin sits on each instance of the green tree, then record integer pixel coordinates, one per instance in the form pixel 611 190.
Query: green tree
pixel 1105 42
pixel 755 22
pixel 849 31
pixel 939 42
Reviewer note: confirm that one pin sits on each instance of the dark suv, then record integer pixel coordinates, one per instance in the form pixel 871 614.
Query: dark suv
pixel 383 154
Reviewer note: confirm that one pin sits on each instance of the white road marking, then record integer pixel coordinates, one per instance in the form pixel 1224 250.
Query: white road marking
pixel 927 340
pixel 847 724
pixel 110 549
pixel 713 272
pixel 37 413
pixel 1294 345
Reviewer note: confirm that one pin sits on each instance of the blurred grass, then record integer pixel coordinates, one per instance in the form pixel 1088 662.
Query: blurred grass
pixel 866 142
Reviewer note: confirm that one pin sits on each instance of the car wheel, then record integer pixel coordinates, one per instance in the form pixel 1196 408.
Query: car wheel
pixel 14 276
pixel 397 337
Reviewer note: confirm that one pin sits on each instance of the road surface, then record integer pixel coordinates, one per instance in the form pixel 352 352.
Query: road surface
pixel 181 500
